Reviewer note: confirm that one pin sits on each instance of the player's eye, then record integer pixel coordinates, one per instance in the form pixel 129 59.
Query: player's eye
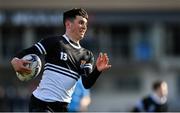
pixel 82 22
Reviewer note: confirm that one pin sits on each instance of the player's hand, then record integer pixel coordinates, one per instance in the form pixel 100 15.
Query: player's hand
pixel 19 65
pixel 102 62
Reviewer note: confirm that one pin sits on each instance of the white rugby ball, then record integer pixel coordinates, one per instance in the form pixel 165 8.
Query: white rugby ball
pixel 35 66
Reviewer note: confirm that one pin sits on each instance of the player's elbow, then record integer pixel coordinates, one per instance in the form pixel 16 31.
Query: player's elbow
pixel 87 85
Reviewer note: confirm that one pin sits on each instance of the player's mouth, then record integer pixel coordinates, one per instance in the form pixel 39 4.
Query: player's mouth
pixel 82 32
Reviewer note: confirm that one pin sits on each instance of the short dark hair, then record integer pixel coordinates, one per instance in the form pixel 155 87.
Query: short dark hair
pixel 157 84
pixel 71 14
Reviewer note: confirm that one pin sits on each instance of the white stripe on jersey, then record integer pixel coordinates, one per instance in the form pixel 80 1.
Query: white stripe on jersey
pixel 61 68
pixel 88 66
pixel 55 87
pixel 61 71
pixel 41 48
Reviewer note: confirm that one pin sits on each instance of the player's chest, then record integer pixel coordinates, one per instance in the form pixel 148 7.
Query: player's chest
pixel 69 54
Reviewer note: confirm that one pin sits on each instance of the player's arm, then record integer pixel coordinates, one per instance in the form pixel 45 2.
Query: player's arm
pixel 39 49
pixel 19 64
pixel 102 64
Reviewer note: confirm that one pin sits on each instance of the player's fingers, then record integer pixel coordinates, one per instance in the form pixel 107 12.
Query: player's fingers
pixel 26 62
pixel 105 58
pixel 109 66
pixel 105 54
pixel 101 54
pixel 26 70
pixel 100 58
pixel 24 67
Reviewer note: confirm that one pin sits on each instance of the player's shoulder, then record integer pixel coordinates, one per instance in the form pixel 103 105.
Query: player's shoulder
pixel 87 51
pixel 51 40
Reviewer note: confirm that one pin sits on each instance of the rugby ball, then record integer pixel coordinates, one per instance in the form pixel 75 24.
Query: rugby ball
pixel 35 66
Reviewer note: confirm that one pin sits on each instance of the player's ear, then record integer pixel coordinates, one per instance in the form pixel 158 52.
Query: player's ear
pixel 68 24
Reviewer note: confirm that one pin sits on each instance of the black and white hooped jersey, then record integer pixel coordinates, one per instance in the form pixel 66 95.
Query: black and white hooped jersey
pixel 65 62
pixel 152 103
pixel 67 55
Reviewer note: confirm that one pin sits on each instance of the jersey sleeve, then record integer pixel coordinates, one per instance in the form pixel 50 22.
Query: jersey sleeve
pixel 85 92
pixel 92 73
pixel 87 67
pixel 40 48
pixel 44 46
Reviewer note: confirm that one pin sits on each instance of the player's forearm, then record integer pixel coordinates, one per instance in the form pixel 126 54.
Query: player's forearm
pixel 88 81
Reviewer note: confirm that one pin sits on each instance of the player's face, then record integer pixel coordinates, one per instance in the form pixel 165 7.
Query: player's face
pixel 79 27
pixel 164 89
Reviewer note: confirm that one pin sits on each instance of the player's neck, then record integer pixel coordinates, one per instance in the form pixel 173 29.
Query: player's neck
pixel 71 37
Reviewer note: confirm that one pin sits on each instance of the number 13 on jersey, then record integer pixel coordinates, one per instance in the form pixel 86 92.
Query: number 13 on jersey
pixel 63 56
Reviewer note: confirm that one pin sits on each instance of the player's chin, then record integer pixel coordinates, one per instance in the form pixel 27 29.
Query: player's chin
pixel 81 36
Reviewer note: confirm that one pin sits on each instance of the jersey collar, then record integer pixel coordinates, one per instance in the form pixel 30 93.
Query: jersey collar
pixel 73 44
